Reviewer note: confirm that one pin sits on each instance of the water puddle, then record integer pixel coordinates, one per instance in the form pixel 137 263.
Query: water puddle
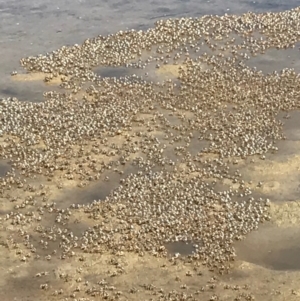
pixel 116 72
pixel 183 248
pixel 24 283
pixel 41 28
pixel 291 124
pixel 276 60
pixel 197 146
pixel 4 168
pixel 278 180
pixel 27 87
pixel 276 175
pixel 96 191
pixel 272 247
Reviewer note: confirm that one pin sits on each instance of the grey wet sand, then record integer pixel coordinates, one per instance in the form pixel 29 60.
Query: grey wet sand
pixel 168 183
pixel 38 76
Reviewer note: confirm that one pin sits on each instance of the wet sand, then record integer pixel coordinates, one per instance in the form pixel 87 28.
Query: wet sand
pixel 267 259
pixel 261 257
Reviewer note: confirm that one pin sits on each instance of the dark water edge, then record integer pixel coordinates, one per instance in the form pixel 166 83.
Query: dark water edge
pixel 37 27
pixel 32 27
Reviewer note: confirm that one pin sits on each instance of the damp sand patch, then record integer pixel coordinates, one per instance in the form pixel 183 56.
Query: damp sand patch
pixel 278 180
pixel 38 76
pixel 172 71
pixel 286 214
pixel 29 87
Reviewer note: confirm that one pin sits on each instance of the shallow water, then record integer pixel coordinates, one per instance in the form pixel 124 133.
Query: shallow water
pixel 272 247
pixel 26 90
pixel 277 176
pixel 112 71
pixel 183 248
pixel 96 191
pixel 291 125
pixel 4 168
pixel 276 60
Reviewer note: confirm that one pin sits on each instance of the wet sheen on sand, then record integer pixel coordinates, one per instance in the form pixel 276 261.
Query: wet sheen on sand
pixel 118 171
